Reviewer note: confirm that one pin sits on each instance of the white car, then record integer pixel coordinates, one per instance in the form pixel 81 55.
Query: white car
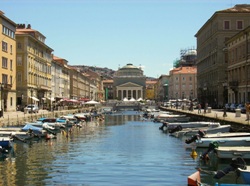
pixel 32 108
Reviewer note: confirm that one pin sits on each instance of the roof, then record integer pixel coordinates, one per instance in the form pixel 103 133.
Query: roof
pixel 130 65
pixel 185 70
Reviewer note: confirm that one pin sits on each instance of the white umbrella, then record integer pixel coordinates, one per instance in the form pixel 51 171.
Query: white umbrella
pixel 92 102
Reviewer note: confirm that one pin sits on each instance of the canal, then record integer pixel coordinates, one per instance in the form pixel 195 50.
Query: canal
pixel 122 150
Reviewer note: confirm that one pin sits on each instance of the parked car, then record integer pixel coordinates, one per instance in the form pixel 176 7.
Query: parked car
pixel 31 108
pixel 233 106
pixel 242 108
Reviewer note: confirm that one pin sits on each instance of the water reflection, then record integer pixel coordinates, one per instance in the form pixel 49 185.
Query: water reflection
pixel 122 150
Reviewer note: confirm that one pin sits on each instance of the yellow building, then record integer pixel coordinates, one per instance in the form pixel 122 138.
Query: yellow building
pixel 8 66
pixel 150 89
pixel 33 63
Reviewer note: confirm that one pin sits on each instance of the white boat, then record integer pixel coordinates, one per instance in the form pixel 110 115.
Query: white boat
pixel 233 141
pixel 193 125
pixel 213 129
pixel 171 118
pixel 233 152
pixel 227 135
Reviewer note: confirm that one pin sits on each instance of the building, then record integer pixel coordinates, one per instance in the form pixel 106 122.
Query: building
pixel 108 88
pixel 8 77
pixel 34 59
pixel 60 73
pixel 150 89
pixel 182 83
pixel 237 86
pixel 162 88
pixel 129 82
pixel 211 57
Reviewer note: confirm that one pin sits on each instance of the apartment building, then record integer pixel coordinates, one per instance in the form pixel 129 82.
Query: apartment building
pixel 34 59
pixel 238 59
pixel 212 61
pixel 8 77
pixel 183 83
pixel 60 73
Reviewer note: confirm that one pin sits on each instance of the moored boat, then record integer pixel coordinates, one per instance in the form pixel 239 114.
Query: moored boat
pixel 233 152
pixel 233 141
pixel 245 174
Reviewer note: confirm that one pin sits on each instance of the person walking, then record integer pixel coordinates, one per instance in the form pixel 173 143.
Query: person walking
pixel 199 108
pixel 247 105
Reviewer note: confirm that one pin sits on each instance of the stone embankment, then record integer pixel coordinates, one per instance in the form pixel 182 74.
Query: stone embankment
pixel 19 118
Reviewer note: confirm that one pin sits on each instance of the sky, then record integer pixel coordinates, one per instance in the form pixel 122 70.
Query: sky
pixel 112 33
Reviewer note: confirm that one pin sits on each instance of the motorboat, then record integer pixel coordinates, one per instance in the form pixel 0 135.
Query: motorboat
pixel 5 142
pixel 184 125
pixel 245 174
pixel 230 152
pixel 171 118
pixel 233 141
pixel 213 129
pixel 227 135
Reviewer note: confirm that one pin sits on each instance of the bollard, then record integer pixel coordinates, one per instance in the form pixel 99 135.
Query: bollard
pixel 237 112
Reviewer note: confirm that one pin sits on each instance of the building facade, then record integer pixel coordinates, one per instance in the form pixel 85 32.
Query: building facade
pixel 8 77
pixel 60 73
pixel 182 83
pixel 129 82
pixel 34 59
pixel 237 87
pixel 211 57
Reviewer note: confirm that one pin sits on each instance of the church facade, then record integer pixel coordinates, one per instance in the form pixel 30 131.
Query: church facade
pixel 129 83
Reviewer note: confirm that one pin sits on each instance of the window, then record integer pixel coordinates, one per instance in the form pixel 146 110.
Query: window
pixel 10 49
pixel 19 45
pixel 4 46
pixel 19 60
pixel 4 62
pixel 226 25
pixel 11 63
pixel 4 79
pixel 239 25
pixel 11 101
pixel 11 78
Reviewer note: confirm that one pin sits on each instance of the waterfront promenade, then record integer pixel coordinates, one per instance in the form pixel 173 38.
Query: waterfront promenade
pixel 231 117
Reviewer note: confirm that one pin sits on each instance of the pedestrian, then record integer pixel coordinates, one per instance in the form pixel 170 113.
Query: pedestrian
pixel 247 105
pixel 199 108
pixel 205 108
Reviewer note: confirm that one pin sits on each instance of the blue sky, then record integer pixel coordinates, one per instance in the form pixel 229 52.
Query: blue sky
pixel 112 33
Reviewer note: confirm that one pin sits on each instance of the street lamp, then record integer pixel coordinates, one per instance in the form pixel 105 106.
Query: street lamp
pixel 1 89
pixel 224 99
pixel 31 99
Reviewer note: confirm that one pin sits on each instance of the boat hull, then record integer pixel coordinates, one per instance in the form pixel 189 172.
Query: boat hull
pixel 233 152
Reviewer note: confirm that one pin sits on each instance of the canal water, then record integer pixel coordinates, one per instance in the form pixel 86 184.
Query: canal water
pixel 122 150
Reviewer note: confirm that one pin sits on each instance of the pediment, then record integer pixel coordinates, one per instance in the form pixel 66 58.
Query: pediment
pixel 129 84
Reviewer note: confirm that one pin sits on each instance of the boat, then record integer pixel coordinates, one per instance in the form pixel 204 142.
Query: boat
pixel 183 125
pixel 194 179
pixel 206 130
pixel 227 135
pixel 245 174
pixel 49 121
pixel 171 118
pixel 5 142
pixel 230 141
pixel 230 152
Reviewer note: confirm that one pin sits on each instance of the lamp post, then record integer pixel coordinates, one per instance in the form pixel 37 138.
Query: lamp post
pixel 224 99
pixel 50 102
pixel 31 99
pixel 1 94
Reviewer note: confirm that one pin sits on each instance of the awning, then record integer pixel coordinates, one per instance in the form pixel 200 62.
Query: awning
pixel 52 99
pixel 34 98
